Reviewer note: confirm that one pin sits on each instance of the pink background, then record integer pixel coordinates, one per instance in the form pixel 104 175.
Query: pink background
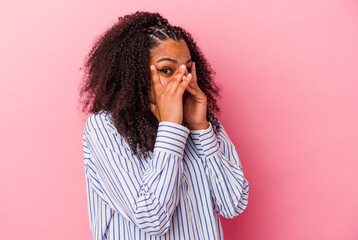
pixel 289 72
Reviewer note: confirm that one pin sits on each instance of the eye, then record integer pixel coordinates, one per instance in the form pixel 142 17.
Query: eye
pixel 166 70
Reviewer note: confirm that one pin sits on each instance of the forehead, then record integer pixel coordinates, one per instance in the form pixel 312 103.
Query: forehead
pixel 170 48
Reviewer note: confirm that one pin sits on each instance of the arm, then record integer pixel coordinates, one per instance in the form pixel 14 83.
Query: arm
pixel 149 200
pixel 228 186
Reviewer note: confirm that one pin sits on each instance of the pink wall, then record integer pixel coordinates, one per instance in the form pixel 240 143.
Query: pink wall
pixel 289 70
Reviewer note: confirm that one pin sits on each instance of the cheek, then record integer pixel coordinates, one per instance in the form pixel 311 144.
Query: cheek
pixel 165 81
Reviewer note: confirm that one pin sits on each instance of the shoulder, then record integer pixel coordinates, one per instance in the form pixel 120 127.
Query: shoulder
pixel 102 124
pixel 100 120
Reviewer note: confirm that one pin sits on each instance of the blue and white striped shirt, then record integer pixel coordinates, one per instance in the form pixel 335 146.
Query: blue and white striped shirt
pixel 177 192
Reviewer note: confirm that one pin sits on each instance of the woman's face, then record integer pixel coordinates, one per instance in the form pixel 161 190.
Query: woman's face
pixel 167 58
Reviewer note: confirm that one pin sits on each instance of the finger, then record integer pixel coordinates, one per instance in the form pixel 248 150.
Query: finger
pixel 157 86
pixel 193 88
pixel 184 84
pixel 193 71
pixel 178 78
pixel 192 83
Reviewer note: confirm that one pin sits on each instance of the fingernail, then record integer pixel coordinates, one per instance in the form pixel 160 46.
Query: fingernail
pixel 182 67
pixel 152 67
pixel 189 75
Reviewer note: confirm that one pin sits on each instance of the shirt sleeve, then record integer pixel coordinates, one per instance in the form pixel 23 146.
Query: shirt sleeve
pixel 228 186
pixel 148 200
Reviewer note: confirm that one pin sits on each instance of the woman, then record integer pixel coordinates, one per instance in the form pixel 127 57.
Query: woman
pixel 158 163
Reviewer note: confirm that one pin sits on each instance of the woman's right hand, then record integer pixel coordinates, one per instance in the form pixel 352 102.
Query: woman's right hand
pixel 169 99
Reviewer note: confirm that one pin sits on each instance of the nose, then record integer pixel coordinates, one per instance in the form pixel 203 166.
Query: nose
pixel 186 71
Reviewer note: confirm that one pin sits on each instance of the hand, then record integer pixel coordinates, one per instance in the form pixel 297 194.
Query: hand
pixel 195 105
pixel 169 100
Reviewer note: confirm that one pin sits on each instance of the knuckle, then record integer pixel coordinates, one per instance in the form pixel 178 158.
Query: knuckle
pixel 161 96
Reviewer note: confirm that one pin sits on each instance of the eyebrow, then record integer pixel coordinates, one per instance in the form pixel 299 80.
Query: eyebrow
pixel 172 60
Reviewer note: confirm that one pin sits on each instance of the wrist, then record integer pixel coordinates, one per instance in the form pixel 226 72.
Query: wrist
pixel 199 126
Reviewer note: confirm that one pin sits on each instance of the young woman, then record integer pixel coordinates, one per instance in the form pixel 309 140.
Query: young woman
pixel 158 163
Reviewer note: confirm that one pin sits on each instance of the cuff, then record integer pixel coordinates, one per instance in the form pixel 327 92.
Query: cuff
pixel 205 140
pixel 171 137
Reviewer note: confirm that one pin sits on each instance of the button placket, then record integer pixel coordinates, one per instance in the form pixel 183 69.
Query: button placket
pixel 185 180
pixel 185 183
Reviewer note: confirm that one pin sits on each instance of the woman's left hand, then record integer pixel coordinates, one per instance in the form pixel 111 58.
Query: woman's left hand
pixel 195 105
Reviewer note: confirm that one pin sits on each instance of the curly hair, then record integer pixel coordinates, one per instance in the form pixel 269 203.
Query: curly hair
pixel 117 76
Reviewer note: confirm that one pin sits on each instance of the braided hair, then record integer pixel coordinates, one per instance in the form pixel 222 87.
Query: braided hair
pixel 117 76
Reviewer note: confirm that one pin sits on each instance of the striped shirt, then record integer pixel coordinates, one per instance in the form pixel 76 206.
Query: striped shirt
pixel 177 192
